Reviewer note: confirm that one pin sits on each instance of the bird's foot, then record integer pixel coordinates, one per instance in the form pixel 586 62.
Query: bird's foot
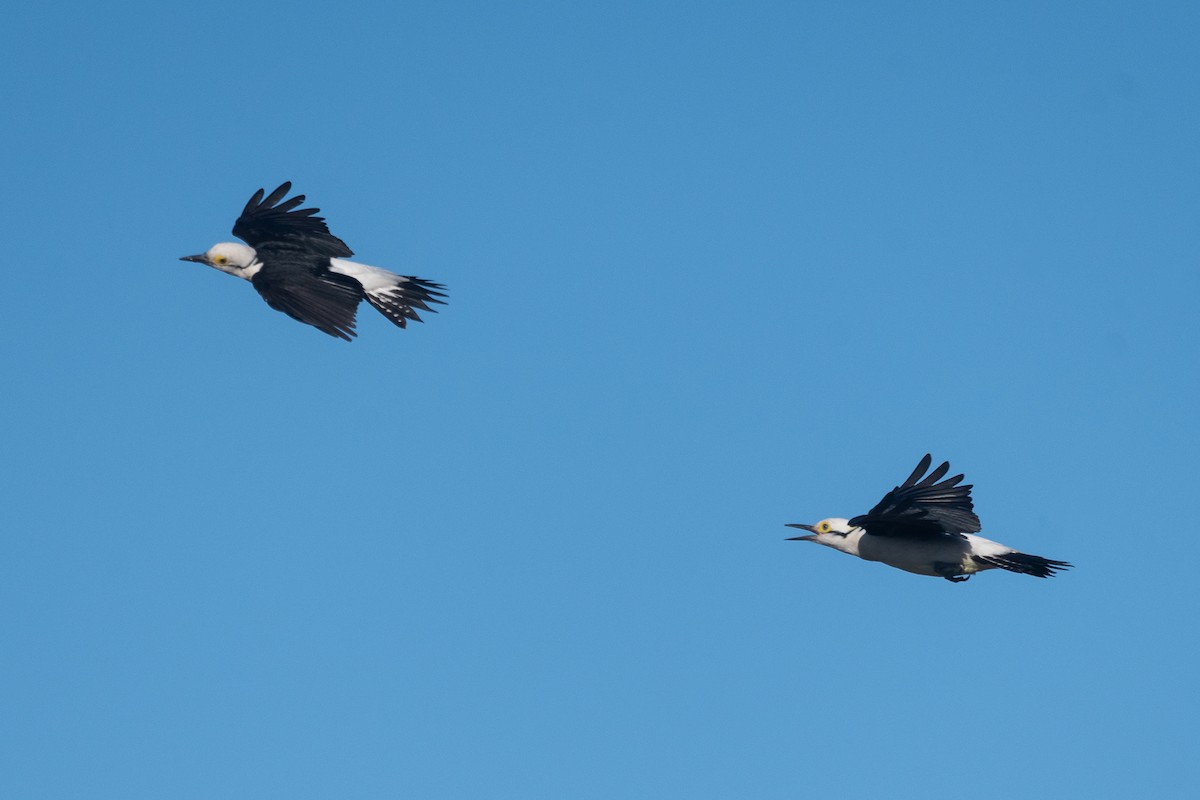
pixel 951 572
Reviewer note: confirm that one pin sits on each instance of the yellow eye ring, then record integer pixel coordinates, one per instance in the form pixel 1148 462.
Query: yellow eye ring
pixel 823 527
pixel 220 259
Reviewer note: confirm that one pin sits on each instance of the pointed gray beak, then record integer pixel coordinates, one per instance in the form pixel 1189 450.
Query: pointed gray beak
pixel 802 527
pixel 200 259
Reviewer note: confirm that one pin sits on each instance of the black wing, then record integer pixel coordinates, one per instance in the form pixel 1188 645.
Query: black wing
pixel 922 508
pixel 268 224
pixel 327 301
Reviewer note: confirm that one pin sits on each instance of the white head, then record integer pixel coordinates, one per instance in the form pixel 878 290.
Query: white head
pixel 833 532
pixel 236 259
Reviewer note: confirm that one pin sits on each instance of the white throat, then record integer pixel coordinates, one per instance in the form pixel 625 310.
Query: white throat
pixel 847 543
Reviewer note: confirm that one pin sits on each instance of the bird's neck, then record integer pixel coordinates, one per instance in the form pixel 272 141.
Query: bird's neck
pixel 245 272
pixel 847 543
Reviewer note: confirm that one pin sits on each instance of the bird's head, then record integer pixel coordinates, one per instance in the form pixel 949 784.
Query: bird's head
pixel 236 259
pixel 832 532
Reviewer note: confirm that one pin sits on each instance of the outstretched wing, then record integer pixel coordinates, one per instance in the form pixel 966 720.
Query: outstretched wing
pixel 268 224
pixel 328 302
pixel 923 508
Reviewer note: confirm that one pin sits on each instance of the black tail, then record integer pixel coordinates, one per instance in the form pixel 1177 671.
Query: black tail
pixel 399 303
pixel 1024 563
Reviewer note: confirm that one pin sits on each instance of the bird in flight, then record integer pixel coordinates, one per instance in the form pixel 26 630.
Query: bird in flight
pixel 299 268
pixel 925 527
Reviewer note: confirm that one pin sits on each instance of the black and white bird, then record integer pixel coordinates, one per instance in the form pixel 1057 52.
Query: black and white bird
pixel 299 268
pixel 926 527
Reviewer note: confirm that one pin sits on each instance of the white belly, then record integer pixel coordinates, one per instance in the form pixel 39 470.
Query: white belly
pixel 918 556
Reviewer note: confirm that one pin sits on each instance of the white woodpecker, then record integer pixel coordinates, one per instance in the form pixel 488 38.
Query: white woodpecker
pixel 299 268
pixel 928 528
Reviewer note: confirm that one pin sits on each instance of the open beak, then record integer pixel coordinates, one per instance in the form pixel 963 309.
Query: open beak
pixel 200 259
pixel 802 527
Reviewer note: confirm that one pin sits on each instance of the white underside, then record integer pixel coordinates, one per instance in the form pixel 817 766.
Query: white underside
pixel 920 557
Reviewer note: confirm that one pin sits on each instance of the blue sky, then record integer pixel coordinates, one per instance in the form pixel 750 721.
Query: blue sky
pixel 713 267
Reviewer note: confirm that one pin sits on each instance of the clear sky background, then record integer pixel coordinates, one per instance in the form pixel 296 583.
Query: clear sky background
pixel 713 267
